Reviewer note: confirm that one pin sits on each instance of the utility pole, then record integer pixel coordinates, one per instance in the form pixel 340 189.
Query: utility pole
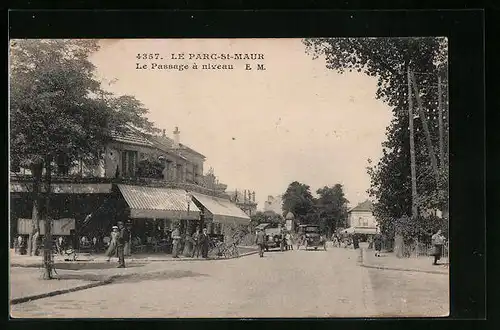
pixel 441 127
pixel 414 197
pixel 427 133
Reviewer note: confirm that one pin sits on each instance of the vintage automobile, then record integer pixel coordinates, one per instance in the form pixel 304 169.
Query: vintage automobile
pixel 311 237
pixel 274 236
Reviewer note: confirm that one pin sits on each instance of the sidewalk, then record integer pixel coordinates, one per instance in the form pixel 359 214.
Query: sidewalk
pixel 391 262
pixel 26 281
pixel 85 258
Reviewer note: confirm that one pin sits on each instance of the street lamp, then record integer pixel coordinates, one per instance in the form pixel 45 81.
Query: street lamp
pixel 188 197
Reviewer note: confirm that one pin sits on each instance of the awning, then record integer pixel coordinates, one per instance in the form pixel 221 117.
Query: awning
pixel 160 203
pixel 360 230
pixel 222 210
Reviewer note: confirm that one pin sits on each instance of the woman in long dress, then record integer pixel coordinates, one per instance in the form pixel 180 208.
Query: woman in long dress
pixel 113 243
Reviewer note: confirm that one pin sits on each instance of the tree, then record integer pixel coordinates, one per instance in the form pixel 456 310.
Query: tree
pixel 388 59
pixel 332 207
pixel 298 200
pixel 150 169
pixel 59 110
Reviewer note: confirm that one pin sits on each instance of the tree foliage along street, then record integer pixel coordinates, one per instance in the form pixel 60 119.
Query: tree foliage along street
pixel 329 210
pixel 60 113
pixel 332 207
pixel 387 59
pixel 266 217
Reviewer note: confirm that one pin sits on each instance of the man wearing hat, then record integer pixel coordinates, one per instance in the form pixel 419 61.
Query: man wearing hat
pixel 260 240
pixel 123 236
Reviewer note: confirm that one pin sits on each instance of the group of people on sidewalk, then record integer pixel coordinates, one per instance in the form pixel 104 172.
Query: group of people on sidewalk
pixel 199 243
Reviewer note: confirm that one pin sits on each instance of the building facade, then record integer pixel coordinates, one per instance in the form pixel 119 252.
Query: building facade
pixel 245 199
pixel 361 219
pixel 152 182
pixel 274 203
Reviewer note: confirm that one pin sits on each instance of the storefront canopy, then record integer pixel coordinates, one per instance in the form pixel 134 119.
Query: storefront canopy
pixel 222 210
pixel 159 203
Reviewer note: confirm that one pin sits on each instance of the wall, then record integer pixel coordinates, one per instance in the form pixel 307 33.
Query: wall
pixel 356 219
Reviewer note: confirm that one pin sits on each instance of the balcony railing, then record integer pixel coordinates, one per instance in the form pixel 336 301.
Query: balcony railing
pixel 75 179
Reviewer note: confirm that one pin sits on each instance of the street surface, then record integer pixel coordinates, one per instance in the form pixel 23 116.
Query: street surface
pixel 282 284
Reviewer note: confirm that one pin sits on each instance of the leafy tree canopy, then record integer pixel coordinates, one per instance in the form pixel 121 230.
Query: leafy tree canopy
pixel 57 106
pixel 298 200
pixel 387 60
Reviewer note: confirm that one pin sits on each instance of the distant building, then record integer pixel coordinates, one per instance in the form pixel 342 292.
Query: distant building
pixel 361 219
pixel 274 203
pixel 245 199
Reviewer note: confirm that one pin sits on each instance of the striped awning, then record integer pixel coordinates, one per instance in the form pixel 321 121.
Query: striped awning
pixel 159 203
pixel 222 210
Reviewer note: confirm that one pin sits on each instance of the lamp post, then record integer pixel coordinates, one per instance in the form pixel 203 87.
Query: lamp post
pixel 188 197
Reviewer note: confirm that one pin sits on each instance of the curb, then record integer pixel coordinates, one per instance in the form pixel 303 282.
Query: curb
pixel 107 281
pixel 363 264
pixel 59 292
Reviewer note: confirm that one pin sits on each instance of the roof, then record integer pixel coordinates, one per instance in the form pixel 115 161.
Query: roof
pixel 151 202
pixel 366 206
pixel 131 137
pixel 223 210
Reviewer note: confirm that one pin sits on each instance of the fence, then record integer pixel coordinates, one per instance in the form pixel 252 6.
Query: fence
pixel 417 249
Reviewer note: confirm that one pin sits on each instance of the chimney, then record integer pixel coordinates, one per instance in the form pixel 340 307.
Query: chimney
pixel 164 132
pixel 177 137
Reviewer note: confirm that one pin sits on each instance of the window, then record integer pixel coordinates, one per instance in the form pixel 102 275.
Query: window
pixel 129 163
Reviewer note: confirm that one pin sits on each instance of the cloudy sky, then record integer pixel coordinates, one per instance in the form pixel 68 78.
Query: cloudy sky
pixel 260 130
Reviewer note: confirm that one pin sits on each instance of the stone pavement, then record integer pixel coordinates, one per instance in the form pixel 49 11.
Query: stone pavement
pixel 391 262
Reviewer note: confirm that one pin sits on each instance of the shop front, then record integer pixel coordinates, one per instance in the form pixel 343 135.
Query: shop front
pixel 222 218
pixel 154 212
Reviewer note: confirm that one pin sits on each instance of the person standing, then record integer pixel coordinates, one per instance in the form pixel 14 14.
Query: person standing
pixel 377 242
pixel 176 238
pixel 288 237
pixel 196 243
pixel 355 241
pixel 204 242
pixel 260 239
pixel 438 242
pixel 123 236
pixel 113 243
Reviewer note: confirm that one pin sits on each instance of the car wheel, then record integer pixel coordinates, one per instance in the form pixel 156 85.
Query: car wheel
pixel 315 248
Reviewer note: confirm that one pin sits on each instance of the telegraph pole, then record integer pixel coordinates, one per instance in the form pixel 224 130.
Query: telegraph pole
pixel 414 208
pixel 441 127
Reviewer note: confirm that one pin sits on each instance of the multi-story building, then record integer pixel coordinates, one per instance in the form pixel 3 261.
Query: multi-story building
pixel 140 179
pixel 274 203
pixel 245 199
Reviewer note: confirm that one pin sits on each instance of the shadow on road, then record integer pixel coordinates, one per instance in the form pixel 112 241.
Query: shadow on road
pixel 157 276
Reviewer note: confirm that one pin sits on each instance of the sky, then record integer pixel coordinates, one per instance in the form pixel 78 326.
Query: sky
pixel 259 129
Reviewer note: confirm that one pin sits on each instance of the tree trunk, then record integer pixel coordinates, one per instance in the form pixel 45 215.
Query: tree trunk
pixel 47 248
pixel 35 215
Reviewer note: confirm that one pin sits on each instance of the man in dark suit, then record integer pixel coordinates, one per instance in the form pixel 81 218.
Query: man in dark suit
pixel 260 240
pixel 123 236
pixel 204 242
